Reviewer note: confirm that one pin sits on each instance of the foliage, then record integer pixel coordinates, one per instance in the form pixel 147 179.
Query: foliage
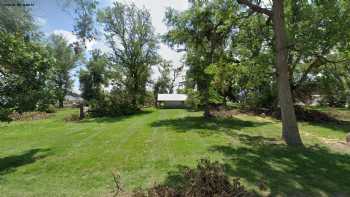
pixel 85 17
pixel 94 77
pixel 84 12
pixel 319 37
pixel 25 71
pixel 18 20
pixel 130 34
pixel 65 61
pixel 51 109
pixel 162 84
pixel 150 99
pixel 117 103
pixel 193 100
pixel 203 30
pixel 5 114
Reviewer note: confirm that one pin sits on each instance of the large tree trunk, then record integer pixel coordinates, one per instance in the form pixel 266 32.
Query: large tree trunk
pixel 206 108
pixel 61 102
pixel 206 102
pixel 290 131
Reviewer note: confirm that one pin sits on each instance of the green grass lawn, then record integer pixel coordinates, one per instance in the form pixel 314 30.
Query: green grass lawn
pixel 56 158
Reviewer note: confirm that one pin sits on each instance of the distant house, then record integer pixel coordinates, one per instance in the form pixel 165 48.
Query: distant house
pixel 171 100
pixel 72 100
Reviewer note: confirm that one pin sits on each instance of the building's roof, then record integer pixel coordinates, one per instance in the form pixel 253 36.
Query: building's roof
pixel 172 97
pixel 72 98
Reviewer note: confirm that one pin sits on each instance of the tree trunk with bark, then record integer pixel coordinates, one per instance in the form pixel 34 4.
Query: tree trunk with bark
pixel 61 103
pixel 206 108
pixel 290 132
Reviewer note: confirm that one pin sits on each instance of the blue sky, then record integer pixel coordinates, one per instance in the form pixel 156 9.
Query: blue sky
pixel 52 18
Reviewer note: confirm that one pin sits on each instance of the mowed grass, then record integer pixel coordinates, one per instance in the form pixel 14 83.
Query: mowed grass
pixel 56 158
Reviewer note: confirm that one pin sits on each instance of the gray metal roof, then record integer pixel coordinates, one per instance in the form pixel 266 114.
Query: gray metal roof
pixel 172 97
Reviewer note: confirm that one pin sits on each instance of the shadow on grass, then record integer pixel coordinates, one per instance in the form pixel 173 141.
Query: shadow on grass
pixel 343 126
pixel 116 119
pixel 11 163
pixel 206 126
pixel 286 171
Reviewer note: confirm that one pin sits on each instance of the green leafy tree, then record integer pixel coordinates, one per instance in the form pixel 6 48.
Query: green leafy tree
pixel 66 61
pixel 290 131
pixel 202 30
pixel 306 36
pixel 130 34
pixel 169 74
pixel 25 71
pixel 84 12
pixel 94 77
pixel 162 84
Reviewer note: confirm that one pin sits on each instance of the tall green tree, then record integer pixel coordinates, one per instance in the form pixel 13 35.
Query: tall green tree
pixel 94 77
pixel 162 84
pixel 65 62
pixel 25 71
pixel 130 34
pixel 307 34
pixel 25 64
pixel 202 31
pixel 290 131
pixel 84 12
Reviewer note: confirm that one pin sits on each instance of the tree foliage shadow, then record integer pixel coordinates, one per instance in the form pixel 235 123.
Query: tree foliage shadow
pixel 115 119
pixel 340 125
pixel 288 171
pixel 206 125
pixel 11 163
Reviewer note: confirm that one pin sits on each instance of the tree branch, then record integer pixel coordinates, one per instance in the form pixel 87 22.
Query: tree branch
pixel 319 61
pixel 255 8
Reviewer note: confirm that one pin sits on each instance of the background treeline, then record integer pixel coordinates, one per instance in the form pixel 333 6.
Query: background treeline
pixel 230 52
pixel 230 56
pixel 34 71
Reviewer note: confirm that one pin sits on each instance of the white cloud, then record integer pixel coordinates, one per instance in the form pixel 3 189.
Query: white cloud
pixel 40 21
pixel 70 37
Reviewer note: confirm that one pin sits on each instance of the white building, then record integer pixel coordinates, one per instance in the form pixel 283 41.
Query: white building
pixel 171 100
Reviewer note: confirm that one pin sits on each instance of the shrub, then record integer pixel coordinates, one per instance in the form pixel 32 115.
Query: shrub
pixel 193 100
pixel 5 115
pixel 72 118
pixel 51 109
pixel 149 99
pixel 116 104
pixel 208 179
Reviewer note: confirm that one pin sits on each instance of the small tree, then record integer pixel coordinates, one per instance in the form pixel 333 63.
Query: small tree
pixel 65 62
pixel 94 77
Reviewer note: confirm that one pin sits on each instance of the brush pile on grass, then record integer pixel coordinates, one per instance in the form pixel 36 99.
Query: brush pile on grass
pixel 207 180
pixel 302 113
pixel 29 116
